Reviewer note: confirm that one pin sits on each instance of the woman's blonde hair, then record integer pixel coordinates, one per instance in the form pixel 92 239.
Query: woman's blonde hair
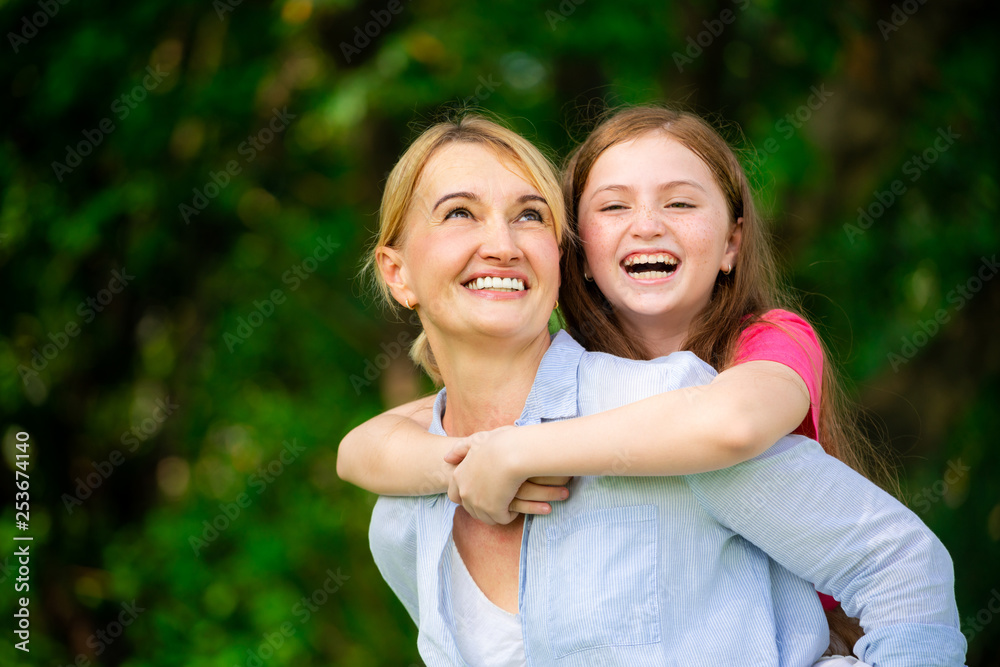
pixel 404 177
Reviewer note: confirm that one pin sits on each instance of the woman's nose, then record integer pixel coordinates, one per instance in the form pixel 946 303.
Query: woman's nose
pixel 500 243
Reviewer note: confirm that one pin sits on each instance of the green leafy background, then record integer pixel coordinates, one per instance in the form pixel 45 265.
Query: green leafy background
pixel 897 74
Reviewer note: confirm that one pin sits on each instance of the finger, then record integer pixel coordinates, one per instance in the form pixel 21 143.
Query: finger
pixel 529 491
pixel 550 481
pixel 529 507
pixel 457 453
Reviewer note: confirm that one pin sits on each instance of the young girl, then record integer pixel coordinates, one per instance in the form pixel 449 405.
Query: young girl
pixel 666 265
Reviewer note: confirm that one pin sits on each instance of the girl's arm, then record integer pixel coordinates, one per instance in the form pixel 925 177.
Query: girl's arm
pixel 394 455
pixel 740 414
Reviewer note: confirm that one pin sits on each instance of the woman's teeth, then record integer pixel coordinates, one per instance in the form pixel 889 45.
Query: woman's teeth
pixel 648 267
pixel 496 284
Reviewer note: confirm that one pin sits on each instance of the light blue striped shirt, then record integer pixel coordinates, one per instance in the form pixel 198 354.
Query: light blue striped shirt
pixel 711 569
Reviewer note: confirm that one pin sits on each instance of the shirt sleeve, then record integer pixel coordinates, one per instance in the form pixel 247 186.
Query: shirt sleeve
pixel 392 536
pixel 788 339
pixel 832 527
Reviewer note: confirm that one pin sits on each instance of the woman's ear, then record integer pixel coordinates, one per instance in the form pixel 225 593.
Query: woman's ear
pixel 732 246
pixel 392 268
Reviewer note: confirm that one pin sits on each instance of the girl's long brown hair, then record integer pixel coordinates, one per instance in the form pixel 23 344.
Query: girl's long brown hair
pixel 739 299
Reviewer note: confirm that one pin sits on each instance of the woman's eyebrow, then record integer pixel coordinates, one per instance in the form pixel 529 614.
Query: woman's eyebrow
pixel 531 197
pixel 455 195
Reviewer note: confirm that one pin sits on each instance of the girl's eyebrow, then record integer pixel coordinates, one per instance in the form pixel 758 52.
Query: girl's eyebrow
pixel 663 186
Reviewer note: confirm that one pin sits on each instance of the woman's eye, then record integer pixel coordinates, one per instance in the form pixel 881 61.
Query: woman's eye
pixel 458 213
pixel 531 215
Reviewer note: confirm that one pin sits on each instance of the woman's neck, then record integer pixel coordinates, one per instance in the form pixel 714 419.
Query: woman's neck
pixel 488 382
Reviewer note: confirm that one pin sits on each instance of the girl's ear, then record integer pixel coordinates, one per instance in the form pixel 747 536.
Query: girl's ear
pixel 392 267
pixel 732 246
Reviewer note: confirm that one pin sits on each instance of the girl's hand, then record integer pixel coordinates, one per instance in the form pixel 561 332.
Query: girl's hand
pixel 487 483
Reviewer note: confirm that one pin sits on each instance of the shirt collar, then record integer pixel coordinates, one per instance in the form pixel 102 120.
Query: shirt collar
pixel 553 394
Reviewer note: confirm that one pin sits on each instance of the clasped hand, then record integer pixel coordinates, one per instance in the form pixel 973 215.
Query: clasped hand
pixel 488 483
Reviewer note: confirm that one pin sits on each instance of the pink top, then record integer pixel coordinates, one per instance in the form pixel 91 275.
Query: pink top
pixel 789 340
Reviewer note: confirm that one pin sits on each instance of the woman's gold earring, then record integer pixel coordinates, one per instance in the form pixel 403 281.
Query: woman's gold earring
pixel 557 305
pixel 728 270
pixel 408 304
pixel 587 276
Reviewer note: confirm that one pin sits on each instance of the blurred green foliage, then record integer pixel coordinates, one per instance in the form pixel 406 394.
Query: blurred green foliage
pixel 167 104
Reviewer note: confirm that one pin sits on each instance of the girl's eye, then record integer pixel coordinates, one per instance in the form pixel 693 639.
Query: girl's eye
pixel 680 204
pixel 613 207
pixel 458 213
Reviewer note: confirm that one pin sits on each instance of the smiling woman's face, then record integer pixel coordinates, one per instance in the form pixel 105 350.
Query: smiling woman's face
pixel 479 254
pixel 656 231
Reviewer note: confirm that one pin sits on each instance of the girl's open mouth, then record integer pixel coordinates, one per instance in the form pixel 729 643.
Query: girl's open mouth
pixel 650 266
